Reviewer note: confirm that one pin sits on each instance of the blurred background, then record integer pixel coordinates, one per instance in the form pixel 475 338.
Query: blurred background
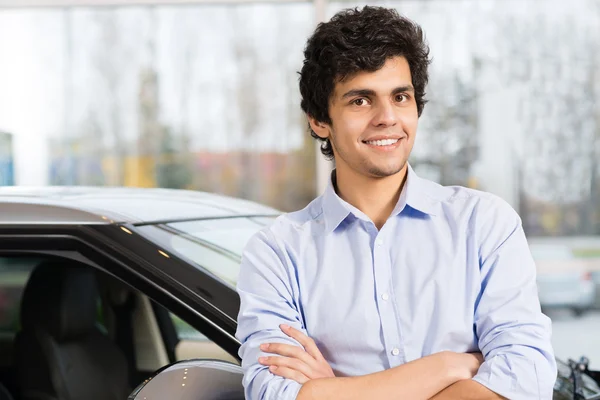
pixel 204 96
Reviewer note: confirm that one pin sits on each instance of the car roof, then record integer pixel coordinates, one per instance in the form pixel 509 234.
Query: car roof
pixel 105 205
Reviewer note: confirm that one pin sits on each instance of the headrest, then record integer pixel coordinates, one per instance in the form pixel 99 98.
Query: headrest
pixel 115 292
pixel 61 298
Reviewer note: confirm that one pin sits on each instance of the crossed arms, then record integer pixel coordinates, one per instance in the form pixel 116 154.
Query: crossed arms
pixel 445 375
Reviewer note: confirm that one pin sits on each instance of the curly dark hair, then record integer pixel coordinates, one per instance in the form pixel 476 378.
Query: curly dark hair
pixel 356 40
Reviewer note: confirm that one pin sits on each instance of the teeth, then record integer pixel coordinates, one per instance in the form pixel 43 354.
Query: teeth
pixel 386 142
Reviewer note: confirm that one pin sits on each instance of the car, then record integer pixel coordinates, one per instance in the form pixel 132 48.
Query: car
pixel 596 279
pixel 563 280
pixel 118 292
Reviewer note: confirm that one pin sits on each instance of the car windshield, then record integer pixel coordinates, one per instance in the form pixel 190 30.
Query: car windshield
pixel 215 245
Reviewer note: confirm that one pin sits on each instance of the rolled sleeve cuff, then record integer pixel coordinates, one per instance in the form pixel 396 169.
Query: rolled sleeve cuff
pixel 266 386
pixel 514 377
pixel 287 391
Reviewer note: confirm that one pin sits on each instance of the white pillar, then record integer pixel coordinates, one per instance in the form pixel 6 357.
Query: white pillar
pixel 324 167
pixel 500 143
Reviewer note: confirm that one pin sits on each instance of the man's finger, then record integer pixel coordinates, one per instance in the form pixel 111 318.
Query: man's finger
pixel 288 350
pixel 289 374
pixel 307 342
pixel 291 363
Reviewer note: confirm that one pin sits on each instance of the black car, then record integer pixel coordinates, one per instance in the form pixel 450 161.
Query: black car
pixel 102 287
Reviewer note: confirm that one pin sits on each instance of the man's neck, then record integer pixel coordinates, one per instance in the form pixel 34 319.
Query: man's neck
pixel 376 197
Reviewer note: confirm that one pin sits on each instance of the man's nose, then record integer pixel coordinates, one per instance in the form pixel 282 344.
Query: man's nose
pixel 385 115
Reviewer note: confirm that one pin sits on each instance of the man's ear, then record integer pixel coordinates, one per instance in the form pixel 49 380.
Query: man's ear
pixel 320 128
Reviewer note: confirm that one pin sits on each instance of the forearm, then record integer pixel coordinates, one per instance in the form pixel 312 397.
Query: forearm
pixel 419 379
pixel 467 389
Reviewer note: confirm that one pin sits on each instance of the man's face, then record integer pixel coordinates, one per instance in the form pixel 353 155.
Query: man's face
pixel 374 120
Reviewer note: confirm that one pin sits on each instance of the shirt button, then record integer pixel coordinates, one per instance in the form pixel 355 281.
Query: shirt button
pixel 385 296
pixel 379 242
pixel 395 352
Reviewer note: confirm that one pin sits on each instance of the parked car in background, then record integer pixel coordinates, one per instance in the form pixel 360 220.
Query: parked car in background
pixel 109 285
pixel 563 280
pixel 596 279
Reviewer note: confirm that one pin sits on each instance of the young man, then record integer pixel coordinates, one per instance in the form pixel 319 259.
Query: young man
pixel 387 286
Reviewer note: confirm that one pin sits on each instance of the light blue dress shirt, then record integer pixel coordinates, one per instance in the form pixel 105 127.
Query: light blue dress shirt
pixel 449 270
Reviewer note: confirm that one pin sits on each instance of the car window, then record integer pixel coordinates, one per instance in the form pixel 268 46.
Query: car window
pixel 185 331
pixel 14 273
pixel 214 244
pixel 230 234
pixel 193 344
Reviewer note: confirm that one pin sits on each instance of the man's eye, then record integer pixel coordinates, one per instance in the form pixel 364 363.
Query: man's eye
pixel 401 97
pixel 359 102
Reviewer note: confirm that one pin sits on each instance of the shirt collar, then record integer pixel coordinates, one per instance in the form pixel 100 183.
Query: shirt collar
pixel 417 194
pixel 414 194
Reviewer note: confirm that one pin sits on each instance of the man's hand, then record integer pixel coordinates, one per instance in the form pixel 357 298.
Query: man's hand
pixel 466 364
pixel 293 362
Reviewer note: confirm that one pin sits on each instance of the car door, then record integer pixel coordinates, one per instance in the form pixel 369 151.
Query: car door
pixel 156 339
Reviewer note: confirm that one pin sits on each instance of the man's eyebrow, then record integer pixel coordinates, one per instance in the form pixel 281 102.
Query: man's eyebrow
pixel 369 92
pixel 407 88
pixel 358 92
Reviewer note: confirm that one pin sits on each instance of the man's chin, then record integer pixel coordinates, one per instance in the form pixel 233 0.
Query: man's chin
pixel 385 172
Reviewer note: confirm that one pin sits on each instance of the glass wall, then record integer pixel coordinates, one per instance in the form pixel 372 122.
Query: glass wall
pixel 196 97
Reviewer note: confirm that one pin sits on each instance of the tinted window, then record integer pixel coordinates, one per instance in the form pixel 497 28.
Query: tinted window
pixel 14 273
pixel 215 245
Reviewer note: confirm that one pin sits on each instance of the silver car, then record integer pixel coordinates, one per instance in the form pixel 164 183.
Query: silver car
pixel 563 280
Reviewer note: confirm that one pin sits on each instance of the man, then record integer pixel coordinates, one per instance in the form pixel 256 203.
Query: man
pixel 387 286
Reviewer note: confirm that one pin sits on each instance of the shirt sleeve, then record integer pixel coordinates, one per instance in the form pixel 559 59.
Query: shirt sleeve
pixel 514 336
pixel 266 301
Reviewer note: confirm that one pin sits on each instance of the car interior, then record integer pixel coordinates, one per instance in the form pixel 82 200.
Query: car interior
pixel 71 331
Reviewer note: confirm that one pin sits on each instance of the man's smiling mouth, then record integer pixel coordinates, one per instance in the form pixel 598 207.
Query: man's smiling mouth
pixel 385 142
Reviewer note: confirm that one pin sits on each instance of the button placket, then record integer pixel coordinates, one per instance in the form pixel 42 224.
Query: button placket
pixel 387 315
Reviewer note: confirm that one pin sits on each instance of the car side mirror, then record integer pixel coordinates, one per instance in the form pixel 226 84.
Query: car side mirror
pixel 193 380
